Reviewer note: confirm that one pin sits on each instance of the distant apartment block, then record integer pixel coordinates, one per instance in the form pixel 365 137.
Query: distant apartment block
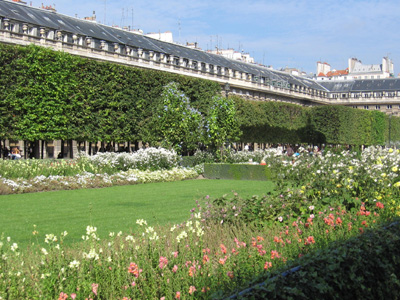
pixel 356 70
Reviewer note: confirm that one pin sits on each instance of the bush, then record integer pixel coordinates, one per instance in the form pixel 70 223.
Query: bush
pixel 364 267
pixel 238 172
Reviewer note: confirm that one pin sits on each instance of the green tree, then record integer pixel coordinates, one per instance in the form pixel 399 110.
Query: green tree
pixel 221 124
pixel 176 123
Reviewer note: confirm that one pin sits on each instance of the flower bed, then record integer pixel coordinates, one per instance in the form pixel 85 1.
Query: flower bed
pixel 226 243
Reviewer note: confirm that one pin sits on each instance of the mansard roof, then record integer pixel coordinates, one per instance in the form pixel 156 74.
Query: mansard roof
pixel 367 85
pixel 57 21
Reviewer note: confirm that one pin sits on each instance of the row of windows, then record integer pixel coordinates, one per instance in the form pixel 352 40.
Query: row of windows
pixel 367 95
pixel 378 107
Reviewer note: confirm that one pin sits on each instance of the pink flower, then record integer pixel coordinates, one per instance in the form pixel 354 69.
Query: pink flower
pixel 63 296
pixel 175 268
pixel 133 284
pixel 178 295
pixel 192 289
pixel 275 254
pixel 267 265
pixel 73 295
pixel 162 298
pixel 223 248
pixel 175 254
pixel 230 274
pixel 163 261
pixel 134 269
pixel 94 288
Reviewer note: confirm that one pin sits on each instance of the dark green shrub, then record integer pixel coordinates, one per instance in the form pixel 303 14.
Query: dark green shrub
pixel 238 172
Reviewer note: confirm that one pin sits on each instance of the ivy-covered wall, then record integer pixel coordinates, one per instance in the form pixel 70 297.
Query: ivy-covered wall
pixel 51 95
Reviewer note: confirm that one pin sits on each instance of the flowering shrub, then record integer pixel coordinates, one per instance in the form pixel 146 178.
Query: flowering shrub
pixel 89 180
pixel 108 162
pixel 143 159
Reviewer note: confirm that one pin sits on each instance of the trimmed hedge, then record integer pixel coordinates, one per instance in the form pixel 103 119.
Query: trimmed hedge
pixel 51 95
pixel 238 172
pixel 364 267
pixel 277 122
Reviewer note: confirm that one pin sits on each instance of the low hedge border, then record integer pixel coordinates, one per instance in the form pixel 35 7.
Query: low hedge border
pixel 364 267
pixel 238 172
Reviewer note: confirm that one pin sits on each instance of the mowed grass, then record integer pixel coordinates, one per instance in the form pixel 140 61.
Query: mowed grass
pixel 111 209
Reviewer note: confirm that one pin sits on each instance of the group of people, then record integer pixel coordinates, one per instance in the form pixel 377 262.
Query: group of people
pixel 14 154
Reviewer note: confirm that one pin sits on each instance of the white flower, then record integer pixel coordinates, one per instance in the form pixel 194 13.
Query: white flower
pixel 91 255
pixel 280 219
pixel 181 236
pixel 14 247
pixel 141 222
pixel 44 251
pixel 50 238
pixel 74 264
pixel 130 238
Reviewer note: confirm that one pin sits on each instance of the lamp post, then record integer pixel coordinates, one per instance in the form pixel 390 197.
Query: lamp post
pixel 227 89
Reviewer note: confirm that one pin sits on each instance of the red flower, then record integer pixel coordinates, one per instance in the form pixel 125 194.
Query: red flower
pixel 206 259
pixel 275 254
pixel 223 248
pixel 379 205
pixel 267 265
pixel 63 296
pixel 134 269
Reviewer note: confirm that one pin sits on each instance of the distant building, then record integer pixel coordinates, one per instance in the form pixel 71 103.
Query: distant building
pixel 356 70
pixel 232 54
pixel 162 36
pixel 294 71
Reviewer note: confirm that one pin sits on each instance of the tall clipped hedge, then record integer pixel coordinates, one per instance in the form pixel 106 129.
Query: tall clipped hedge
pixel 277 122
pixel 50 95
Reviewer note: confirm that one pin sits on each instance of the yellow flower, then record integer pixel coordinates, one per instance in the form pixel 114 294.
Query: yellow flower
pixel 390 150
pixel 395 169
pixel 397 184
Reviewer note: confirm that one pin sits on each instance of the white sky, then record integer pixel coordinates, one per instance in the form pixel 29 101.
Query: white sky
pixel 294 33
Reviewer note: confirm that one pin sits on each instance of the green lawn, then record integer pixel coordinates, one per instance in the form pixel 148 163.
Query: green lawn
pixel 111 209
